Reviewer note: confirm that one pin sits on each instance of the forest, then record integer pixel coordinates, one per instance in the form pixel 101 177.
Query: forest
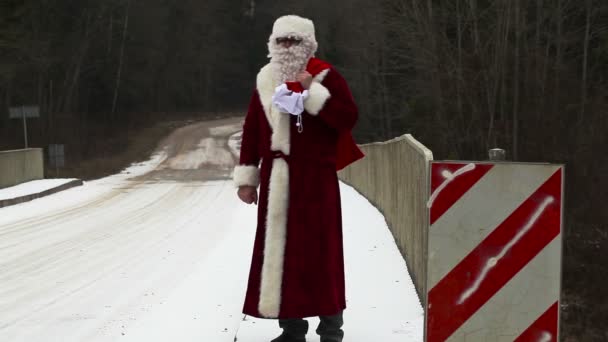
pixel 462 76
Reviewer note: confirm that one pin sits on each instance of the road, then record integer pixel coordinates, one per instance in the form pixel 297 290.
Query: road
pixel 88 263
pixel 161 252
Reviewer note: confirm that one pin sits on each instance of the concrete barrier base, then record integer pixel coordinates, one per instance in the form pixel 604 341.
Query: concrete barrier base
pixel 26 198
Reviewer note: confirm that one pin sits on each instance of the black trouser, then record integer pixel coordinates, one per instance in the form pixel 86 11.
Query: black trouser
pixel 329 327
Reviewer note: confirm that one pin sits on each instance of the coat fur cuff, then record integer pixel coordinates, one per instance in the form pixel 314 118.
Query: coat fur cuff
pixel 246 175
pixel 317 96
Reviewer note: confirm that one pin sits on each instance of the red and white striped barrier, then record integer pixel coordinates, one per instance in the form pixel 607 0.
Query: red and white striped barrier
pixel 494 260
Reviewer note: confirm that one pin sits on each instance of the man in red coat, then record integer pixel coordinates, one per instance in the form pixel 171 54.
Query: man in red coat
pixel 298 126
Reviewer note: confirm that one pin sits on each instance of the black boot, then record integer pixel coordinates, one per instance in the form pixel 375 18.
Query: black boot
pixel 294 330
pixel 330 328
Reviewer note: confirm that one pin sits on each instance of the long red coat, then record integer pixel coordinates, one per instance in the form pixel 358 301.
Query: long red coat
pixel 297 267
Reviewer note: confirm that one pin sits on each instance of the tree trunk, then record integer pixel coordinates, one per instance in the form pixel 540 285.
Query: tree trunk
pixel 381 69
pixel 42 107
pixel 433 36
pixel 537 50
pixel 459 71
pixel 585 57
pixel 81 54
pixel 475 31
pixel 50 113
pixel 110 34
pixel 558 57
pixel 516 83
pixel 493 74
pixel 120 60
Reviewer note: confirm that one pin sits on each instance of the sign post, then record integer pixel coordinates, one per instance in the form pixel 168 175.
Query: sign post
pixel 56 157
pixel 24 112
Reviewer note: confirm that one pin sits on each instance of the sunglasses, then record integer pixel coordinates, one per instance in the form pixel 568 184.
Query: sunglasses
pixel 292 40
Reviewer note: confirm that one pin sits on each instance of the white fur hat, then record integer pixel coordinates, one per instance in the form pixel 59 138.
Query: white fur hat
pixel 293 25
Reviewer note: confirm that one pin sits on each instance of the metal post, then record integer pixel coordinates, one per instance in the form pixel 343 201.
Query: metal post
pixel 24 125
pixel 497 154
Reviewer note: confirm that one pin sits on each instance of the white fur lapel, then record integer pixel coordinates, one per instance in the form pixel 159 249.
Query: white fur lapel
pixel 279 122
pixel 266 84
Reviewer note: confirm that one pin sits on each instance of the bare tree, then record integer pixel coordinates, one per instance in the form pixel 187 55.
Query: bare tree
pixel 121 58
pixel 516 61
pixel 588 10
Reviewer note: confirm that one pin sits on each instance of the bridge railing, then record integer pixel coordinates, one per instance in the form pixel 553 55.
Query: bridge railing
pixel 18 166
pixel 394 177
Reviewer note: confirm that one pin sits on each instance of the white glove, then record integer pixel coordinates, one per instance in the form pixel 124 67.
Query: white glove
pixel 288 101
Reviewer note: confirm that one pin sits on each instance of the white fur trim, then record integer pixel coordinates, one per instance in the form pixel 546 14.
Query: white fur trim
pixel 317 96
pixel 321 76
pixel 275 239
pixel 246 175
pixel 266 84
pixel 279 122
pixel 280 140
pixel 293 24
pixel 278 199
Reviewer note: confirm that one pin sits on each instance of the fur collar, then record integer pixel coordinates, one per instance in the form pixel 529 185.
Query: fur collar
pixel 279 122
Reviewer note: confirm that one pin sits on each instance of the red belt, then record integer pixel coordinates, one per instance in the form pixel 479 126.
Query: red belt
pixel 278 154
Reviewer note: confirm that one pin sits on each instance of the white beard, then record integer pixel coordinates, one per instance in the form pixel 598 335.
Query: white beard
pixel 287 62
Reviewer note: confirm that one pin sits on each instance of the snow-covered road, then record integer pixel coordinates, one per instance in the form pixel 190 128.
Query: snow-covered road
pixel 161 252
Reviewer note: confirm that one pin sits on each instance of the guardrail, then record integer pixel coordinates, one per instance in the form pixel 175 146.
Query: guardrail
pixel 394 177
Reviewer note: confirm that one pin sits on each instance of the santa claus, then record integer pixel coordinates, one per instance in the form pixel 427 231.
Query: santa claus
pixel 298 126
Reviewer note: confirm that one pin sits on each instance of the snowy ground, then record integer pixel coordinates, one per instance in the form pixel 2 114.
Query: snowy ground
pixel 156 253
